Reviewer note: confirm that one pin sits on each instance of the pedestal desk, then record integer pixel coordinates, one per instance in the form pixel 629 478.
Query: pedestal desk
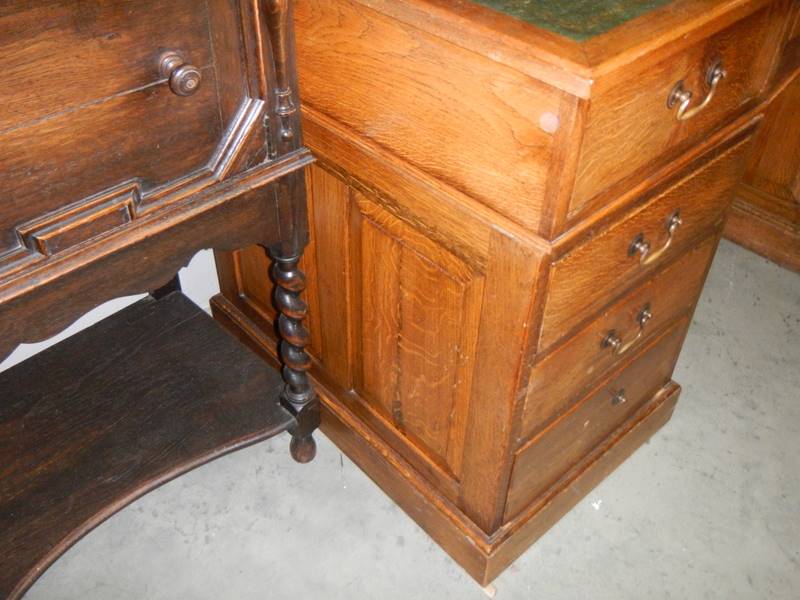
pixel 513 213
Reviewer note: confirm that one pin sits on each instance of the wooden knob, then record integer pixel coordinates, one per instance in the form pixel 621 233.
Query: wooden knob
pixel 184 79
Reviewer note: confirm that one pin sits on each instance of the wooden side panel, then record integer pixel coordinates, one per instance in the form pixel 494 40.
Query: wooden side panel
pixel 418 314
pixel 397 317
pixel 456 115
pixel 327 267
pixel 775 164
pixel 380 268
pixel 766 210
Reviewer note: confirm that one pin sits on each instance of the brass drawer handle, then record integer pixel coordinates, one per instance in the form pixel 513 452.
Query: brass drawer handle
pixel 184 79
pixel 683 97
pixel 613 341
pixel 642 247
pixel 619 398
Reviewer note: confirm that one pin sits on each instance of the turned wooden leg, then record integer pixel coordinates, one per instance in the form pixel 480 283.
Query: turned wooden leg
pixel 298 395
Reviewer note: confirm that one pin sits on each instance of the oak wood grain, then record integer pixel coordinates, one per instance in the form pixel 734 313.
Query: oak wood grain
pixel 540 462
pixel 456 216
pixel 766 213
pixel 562 375
pixel 602 268
pixel 629 124
pixel 499 110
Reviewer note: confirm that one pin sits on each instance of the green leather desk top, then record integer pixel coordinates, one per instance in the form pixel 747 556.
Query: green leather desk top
pixel 575 19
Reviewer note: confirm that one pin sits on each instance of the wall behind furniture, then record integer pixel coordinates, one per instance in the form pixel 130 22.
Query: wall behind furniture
pixel 199 281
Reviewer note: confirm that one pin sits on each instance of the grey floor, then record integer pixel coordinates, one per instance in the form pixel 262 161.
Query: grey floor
pixel 710 508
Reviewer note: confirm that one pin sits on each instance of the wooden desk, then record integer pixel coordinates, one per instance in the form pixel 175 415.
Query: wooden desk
pixel 512 219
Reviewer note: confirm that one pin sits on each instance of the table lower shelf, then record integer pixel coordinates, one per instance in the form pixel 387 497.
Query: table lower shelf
pixel 95 422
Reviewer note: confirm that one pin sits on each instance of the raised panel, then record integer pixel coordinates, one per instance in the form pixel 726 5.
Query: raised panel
pixel 417 329
pixel 380 320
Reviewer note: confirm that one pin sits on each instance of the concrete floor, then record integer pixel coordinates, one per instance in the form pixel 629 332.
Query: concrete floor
pixel 708 509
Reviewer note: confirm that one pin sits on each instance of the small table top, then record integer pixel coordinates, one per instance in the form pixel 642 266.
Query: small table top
pixel 576 19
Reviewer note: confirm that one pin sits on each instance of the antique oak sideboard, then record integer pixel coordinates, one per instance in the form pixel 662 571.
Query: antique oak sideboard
pixel 134 133
pixel 512 216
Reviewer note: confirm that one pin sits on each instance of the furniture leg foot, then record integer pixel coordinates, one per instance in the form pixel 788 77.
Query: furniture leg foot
pixel 303 449
pixel 298 395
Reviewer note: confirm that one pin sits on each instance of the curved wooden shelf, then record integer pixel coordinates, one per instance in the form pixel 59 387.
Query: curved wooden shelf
pixel 95 422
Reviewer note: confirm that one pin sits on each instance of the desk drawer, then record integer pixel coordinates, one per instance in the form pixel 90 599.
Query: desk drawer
pixel 641 242
pixel 566 373
pixel 635 118
pixel 543 460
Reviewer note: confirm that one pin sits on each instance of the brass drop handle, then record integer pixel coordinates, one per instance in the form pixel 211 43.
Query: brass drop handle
pixel 619 397
pixel 683 97
pixel 642 247
pixel 613 341
pixel 184 79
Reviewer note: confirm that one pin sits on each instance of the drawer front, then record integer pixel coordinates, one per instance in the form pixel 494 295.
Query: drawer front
pixel 563 375
pixel 548 456
pixel 632 123
pixel 644 240
pixel 56 56
pixel 101 128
